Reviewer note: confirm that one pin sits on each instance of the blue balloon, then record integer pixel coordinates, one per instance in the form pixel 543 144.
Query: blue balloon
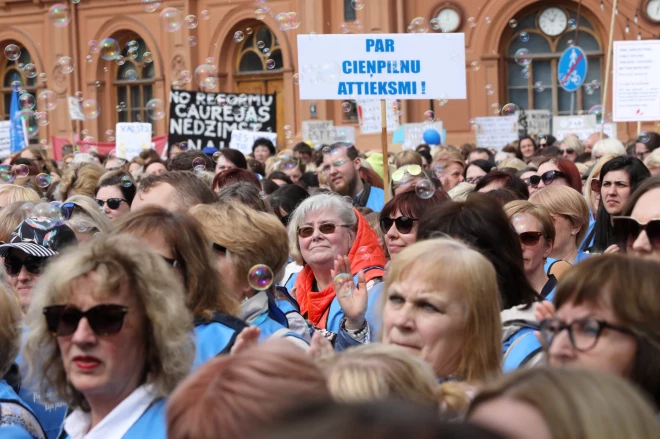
pixel 432 137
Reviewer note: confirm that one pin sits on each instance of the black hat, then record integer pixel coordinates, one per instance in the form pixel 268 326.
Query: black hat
pixel 40 236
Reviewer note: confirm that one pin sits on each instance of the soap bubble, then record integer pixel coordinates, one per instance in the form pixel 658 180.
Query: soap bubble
pixel 59 15
pixel 343 284
pixel 513 23
pixel 472 22
pixel 474 65
pixel 489 89
pixel 495 108
pixel 147 57
pixel 205 14
pixel 239 36
pixel 296 78
pixel 248 30
pixel 171 19
pixel 357 4
pixel 522 57
pixel 509 109
pixel 198 161
pixel 270 64
pixel 156 109
pixel 260 277
pixel 131 75
pixel 418 26
pixel 643 137
pixel 132 53
pixel 191 21
pixel 205 76
pixel 525 73
pixel 126 181
pixel 26 101
pixel 150 5
pixel 424 189
pixel 435 24
pixel 346 106
pixel 27 119
pixel 43 180
pixel 66 64
pixel 120 60
pixel 41 118
pixel 21 171
pixel 429 116
pixel 46 216
pixel 538 86
pixel 261 44
pixel 30 70
pixel 109 49
pixel 572 24
pixel 287 160
pixel 110 135
pixel 524 37
pixel 27 209
pixel 329 72
pixel 94 46
pixel 12 52
pixel 78 95
pixel 91 109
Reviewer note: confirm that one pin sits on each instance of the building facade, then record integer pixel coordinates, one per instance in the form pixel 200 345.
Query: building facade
pixel 494 31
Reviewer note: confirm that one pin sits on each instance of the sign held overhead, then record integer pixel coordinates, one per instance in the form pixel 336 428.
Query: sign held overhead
pixel 387 66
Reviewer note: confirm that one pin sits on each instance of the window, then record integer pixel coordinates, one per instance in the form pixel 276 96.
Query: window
pixel 535 86
pixel 349 11
pixel 133 83
pixel 11 71
pixel 260 51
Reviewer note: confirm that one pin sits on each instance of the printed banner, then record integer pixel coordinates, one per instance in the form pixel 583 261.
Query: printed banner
pixel 208 119
pixel 243 140
pixel 636 81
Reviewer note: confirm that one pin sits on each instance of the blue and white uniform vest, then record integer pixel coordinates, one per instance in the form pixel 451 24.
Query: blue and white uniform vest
pixel 215 336
pixel 152 424
pixel 17 421
pixel 257 311
pixel 376 200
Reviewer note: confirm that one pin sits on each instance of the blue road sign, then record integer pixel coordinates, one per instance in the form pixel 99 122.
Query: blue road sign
pixel 572 69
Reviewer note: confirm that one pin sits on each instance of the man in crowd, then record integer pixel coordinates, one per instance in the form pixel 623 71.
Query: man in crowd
pixel 174 191
pixel 591 141
pixel 480 154
pixel 342 170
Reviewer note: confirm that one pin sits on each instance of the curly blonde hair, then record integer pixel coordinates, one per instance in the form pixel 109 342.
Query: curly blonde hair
pixel 118 264
pixel 80 177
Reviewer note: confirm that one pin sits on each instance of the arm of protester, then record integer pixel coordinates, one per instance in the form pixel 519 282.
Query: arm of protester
pixel 249 337
pixel 355 304
pixel 320 346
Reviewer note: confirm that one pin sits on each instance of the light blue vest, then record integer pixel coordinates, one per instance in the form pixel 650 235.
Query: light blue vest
pixel 214 338
pixel 376 200
pixel 23 424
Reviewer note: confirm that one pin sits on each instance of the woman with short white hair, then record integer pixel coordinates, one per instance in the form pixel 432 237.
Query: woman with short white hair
pixel 607 146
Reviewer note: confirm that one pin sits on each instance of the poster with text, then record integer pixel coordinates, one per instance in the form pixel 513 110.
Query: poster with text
pixel 496 132
pixel 132 138
pixel 5 138
pixel 208 119
pixel 582 126
pixel 636 81
pixel 370 115
pixel 319 132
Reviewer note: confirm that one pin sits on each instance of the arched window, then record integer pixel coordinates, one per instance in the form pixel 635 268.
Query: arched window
pixel 535 86
pixel 257 49
pixel 133 83
pixel 11 71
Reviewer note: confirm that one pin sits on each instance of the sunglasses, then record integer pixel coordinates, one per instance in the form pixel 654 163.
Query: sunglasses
pixel 403 224
pixel 627 230
pixel 63 320
pixel 402 171
pixel 33 265
pixel 113 203
pixel 530 239
pixel 547 177
pixel 67 210
pixel 567 151
pixel 326 229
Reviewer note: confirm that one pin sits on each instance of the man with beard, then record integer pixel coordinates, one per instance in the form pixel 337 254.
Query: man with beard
pixel 341 166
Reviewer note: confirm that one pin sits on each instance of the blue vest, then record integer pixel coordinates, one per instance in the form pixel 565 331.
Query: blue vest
pixel 526 346
pixel 376 200
pixel 590 237
pixel 269 327
pixel 18 427
pixel 215 336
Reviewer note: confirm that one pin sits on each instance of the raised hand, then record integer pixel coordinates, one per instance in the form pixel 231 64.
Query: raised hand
pixel 354 305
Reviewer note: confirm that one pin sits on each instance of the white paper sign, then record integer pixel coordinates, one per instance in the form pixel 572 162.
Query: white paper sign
pixel 538 121
pixel 132 138
pixel 343 134
pixel 75 110
pixel 243 140
pixel 413 133
pixel 370 115
pixel 382 66
pixel 5 138
pixel 636 81
pixel 582 126
pixel 318 132
pixel 496 132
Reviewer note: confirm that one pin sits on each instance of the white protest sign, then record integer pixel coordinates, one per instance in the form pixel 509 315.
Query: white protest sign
pixel 5 138
pixel 496 132
pixel 75 110
pixel 370 115
pixel 243 140
pixel 317 131
pixel 132 138
pixel 582 126
pixel 382 66
pixel 343 134
pixel 413 133
pixel 538 121
pixel 636 81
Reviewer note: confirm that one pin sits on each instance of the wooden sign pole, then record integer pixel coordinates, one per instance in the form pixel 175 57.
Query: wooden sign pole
pixel 608 64
pixel 386 169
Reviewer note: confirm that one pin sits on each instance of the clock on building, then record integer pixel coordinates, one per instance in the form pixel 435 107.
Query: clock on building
pixel 449 18
pixel 652 11
pixel 553 21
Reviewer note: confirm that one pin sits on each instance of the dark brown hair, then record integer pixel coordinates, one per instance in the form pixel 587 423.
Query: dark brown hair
pixel 234 175
pixel 190 189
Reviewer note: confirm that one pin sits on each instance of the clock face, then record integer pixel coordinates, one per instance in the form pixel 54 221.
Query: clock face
pixel 653 10
pixel 449 20
pixel 553 21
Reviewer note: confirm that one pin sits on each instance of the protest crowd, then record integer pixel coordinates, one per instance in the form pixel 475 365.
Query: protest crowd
pixel 217 295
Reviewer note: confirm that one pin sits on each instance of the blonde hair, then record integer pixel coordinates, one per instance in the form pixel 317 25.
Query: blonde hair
pixel 542 214
pixel 17 193
pixel 254 238
pixel 447 157
pixel 512 162
pixel 595 173
pixel 573 142
pixel 577 403
pixel 82 178
pixel 119 265
pixel 10 329
pixel 407 157
pixel 444 261
pixel 653 160
pixel 562 200
pixel 10 217
pixel 86 216
pixel 461 191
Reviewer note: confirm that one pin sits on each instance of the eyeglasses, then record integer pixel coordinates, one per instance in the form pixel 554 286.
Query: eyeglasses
pixel 326 229
pixel 583 333
pixel 547 177
pixel 337 163
pixel 63 320
pixel 33 265
pixel 530 239
pixel 566 151
pixel 403 224
pixel 400 173
pixel 627 230
pixel 113 203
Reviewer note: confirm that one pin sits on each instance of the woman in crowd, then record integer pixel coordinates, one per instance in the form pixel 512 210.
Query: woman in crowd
pixel 637 231
pixel 11 193
pixel 557 171
pixel 400 217
pixel 254 239
pixel 263 149
pixel 593 200
pixel 498 180
pixel 608 318
pixel 156 167
pixel 244 193
pixel 240 395
pixel 330 239
pixel 10 217
pixel 551 403
pixel 646 144
pixel 440 303
pixel 408 175
pixel 285 199
pixel 652 161
pixel 571 147
pixel 110 336
pixel 234 175
pixel 408 157
pixel 619 178
pixel 536 231
pixel 114 194
pixel 229 158
pixel 570 216
pixel 80 179
pixel 449 168
pixel 180 242
pixel 83 216
pixel 40 159
pixel 607 146
pixel 477 169
pixel 526 149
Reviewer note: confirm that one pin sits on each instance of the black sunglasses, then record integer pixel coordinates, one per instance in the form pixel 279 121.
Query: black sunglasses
pixel 63 320
pixel 326 229
pixel 530 239
pixel 67 210
pixel 627 230
pixel 403 224
pixel 547 177
pixel 34 265
pixel 567 151
pixel 113 203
